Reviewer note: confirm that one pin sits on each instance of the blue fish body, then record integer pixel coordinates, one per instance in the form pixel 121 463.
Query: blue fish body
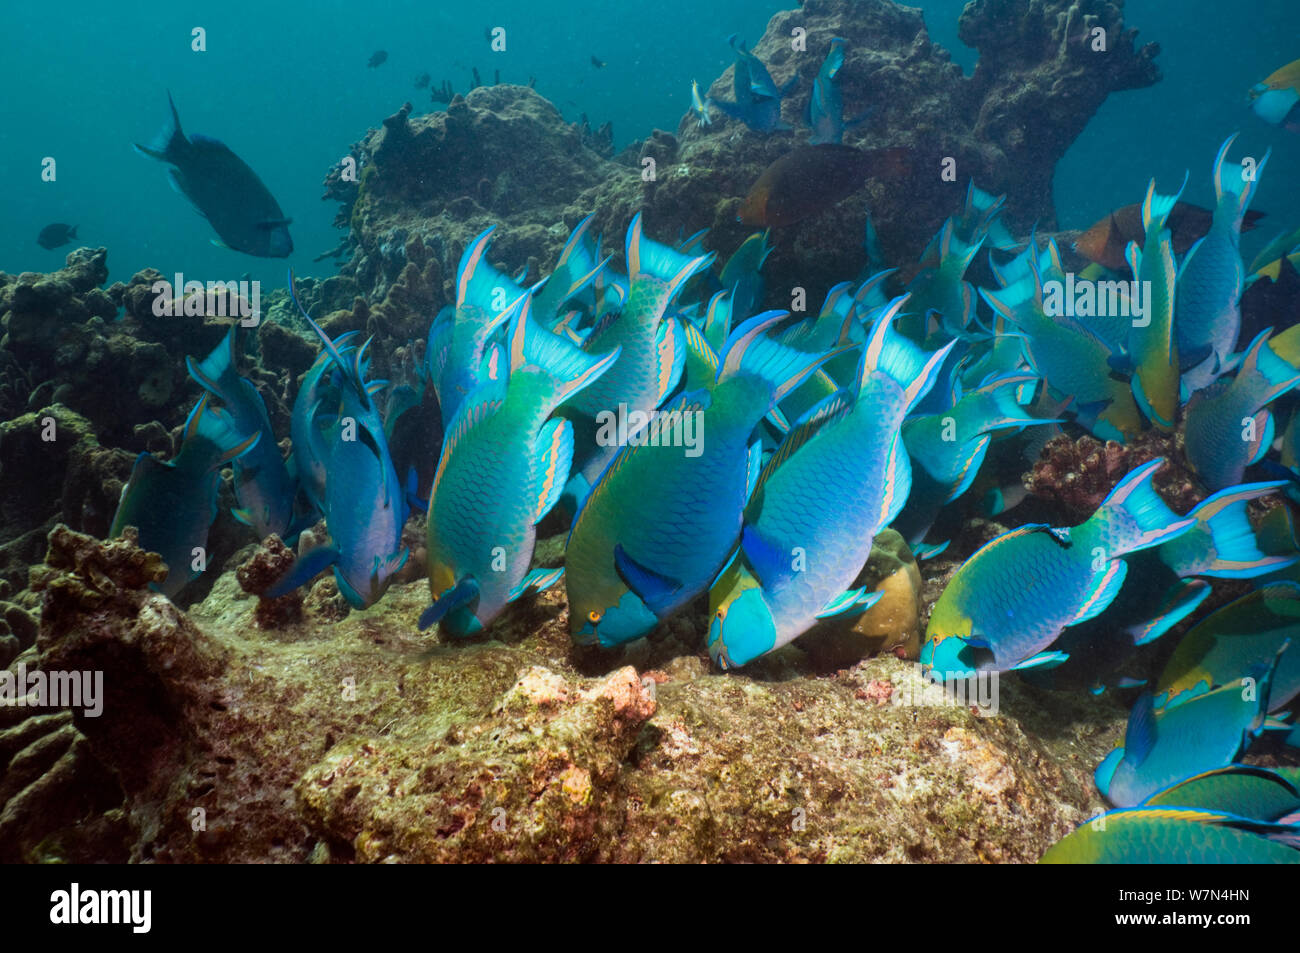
pixel 1162 748
pixel 1176 835
pixel 1014 597
pixel 1227 425
pixel 1210 281
pixel 663 518
pixel 458 350
pixel 836 480
pixel 223 189
pixel 757 99
pixel 263 486
pixel 364 505
pixel 504 464
pixel 173 504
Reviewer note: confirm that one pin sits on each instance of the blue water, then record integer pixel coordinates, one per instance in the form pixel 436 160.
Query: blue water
pixel 286 86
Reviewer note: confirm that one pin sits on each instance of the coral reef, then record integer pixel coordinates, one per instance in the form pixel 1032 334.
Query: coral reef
pixel 1078 473
pixel 1006 126
pixel 355 741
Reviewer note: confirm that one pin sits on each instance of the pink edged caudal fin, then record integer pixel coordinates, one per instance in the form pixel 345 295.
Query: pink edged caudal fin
pixel 534 348
pixel 646 257
pixel 1133 515
pixel 891 353
pixel 750 350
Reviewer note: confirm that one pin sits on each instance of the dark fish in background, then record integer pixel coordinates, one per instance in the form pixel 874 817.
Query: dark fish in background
pixel 1105 241
pixel 598 63
pixel 422 81
pixel 223 189
pixel 810 179
pixel 52 236
pixel 377 58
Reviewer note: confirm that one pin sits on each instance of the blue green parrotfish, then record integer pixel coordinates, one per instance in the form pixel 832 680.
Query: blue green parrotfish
pixel 312 407
pixel 1222 647
pixel 1015 596
pixel 173 504
pixel 263 486
pixel 458 349
pixel 1160 590
pixel 576 268
pixel 504 464
pixel 652 341
pixel 742 275
pixel 1228 426
pixel 838 477
pixel 948 448
pixel 364 505
pixel 1152 342
pixel 1210 280
pixel 699 107
pixel 826 104
pixel 223 189
pixel 666 514
pixel 1176 835
pixel 757 99
pixel 1163 747
pixel 1263 794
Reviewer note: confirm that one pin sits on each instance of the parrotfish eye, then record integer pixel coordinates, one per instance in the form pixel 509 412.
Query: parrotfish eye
pixel 594 617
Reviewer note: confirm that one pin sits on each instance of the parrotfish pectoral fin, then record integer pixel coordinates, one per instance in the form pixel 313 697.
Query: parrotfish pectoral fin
pixel 463 593
pixel 1043 660
pixel 1104 591
pixel 305 568
pixel 656 590
pixel 539 580
pixel 850 602
pixel 753 467
pixel 1181 602
pixel 1140 735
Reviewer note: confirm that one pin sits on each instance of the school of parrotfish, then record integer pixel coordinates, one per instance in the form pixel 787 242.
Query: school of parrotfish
pixel 697 447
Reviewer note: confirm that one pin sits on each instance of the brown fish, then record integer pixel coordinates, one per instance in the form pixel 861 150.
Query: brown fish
pixel 810 179
pixel 1105 241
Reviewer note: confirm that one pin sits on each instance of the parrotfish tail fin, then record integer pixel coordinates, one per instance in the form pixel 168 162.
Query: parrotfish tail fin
pixel 717 320
pixel 1230 180
pixel 661 261
pixel 999 404
pixel 463 593
pixel 479 285
pixel 891 353
pixel 210 436
pixel 1156 207
pixel 1278 375
pixel 1134 515
pixel 577 265
pixel 1235 553
pixel 170 144
pixel 304 569
pixel 569 367
pixel 750 350
pixel 216 373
